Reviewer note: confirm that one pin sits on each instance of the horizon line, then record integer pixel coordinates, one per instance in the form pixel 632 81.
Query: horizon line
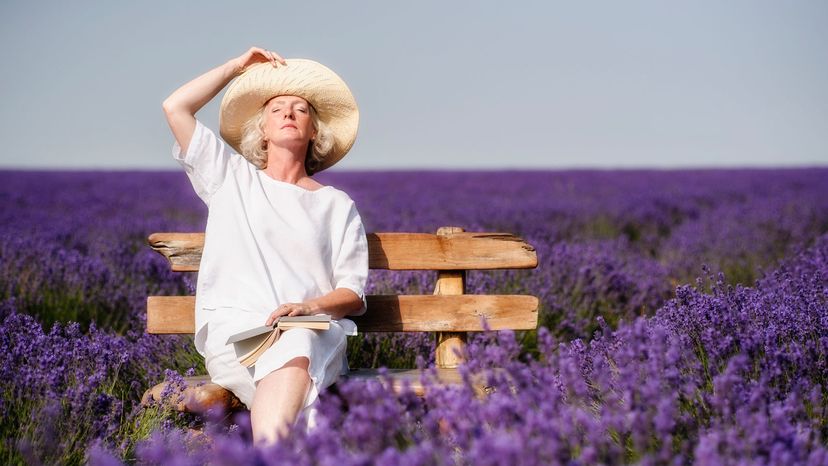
pixel 457 169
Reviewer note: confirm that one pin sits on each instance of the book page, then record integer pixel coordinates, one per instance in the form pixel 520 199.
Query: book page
pixel 247 346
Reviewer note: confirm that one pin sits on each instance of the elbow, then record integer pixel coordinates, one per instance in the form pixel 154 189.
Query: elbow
pixel 172 107
pixel 355 304
pixel 176 115
pixel 357 307
pixel 168 106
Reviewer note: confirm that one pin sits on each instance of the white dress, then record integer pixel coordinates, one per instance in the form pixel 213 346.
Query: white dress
pixel 269 242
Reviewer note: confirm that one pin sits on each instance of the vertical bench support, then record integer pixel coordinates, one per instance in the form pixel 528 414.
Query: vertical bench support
pixel 449 282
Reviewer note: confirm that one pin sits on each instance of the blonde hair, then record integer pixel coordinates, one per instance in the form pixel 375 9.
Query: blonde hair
pixel 254 149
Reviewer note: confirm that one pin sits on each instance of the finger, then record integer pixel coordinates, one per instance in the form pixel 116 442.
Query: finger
pixel 258 54
pixel 257 51
pixel 279 312
pixel 279 58
pixel 270 57
pixel 300 311
pixel 273 57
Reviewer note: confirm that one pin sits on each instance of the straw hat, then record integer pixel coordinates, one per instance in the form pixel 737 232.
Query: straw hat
pixel 334 104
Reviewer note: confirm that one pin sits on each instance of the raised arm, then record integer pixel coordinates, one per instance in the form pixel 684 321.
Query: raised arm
pixel 181 106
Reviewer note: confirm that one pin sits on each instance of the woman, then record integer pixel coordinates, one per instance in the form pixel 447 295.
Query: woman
pixel 277 242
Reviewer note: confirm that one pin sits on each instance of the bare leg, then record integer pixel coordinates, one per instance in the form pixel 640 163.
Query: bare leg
pixel 279 397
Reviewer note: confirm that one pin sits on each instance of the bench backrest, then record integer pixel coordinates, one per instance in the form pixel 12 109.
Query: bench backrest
pixel 449 311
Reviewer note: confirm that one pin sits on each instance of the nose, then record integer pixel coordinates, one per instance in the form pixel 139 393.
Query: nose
pixel 289 113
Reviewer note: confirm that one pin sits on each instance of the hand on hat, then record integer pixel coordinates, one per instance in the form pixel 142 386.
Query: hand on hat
pixel 257 55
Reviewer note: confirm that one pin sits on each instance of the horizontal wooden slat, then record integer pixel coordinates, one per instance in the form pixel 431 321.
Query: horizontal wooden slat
pixel 399 378
pixel 198 394
pixel 182 250
pixel 170 314
pixel 391 251
pixel 448 313
pixel 387 313
pixel 413 378
pixel 453 251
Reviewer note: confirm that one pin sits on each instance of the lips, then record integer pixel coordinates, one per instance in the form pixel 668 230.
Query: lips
pixel 289 126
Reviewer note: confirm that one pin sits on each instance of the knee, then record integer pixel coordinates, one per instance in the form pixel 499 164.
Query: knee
pixel 293 369
pixel 292 372
pixel 299 362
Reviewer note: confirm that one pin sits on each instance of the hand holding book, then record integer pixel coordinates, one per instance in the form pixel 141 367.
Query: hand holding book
pixel 251 344
pixel 292 310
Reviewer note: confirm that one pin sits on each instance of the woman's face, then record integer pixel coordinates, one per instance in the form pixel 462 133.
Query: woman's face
pixel 288 122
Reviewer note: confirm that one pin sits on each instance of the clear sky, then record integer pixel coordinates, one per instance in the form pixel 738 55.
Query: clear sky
pixel 449 84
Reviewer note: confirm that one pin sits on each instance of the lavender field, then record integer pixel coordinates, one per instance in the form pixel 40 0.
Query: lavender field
pixel 684 320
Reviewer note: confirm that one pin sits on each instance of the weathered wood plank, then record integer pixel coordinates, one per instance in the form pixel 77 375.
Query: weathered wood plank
pixel 182 250
pixel 413 378
pixel 391 251
pixel 386 313
pixel 199 394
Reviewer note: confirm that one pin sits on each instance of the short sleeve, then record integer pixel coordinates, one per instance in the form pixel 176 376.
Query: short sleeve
pixel 206 161
pixel 351 263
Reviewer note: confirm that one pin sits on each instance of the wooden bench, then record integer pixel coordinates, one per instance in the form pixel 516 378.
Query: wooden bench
pixel 449 312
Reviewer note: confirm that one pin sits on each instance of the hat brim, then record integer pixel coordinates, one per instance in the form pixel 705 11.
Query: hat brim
pixel 325 90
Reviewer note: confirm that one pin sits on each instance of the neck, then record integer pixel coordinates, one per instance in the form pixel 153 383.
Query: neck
pixel 284 165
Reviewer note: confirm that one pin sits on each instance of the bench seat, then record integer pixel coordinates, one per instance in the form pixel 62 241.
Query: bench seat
pixel 200 395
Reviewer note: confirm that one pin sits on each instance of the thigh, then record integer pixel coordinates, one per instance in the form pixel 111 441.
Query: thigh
pixel 325 351
pixel 316 344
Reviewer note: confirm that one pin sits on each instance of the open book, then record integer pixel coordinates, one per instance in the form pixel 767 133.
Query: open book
pixel 250 344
